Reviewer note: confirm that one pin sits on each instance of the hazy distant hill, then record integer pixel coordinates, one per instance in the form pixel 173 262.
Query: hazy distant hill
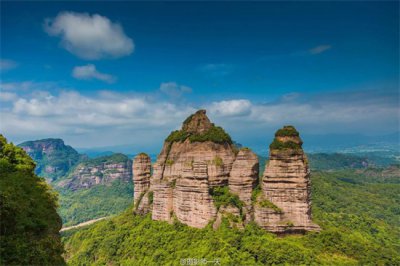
pixel 53 158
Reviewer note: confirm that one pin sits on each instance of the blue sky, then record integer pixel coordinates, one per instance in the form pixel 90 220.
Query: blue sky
pixel 133 70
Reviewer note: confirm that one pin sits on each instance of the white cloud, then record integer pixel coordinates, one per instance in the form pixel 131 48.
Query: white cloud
pixel 174 90
pixel 319 49
pixel 109 118
pixel 89 72
pixel 89 36
pixel 239 107
pixel 7 96
pixel 6 64
pixel 70 114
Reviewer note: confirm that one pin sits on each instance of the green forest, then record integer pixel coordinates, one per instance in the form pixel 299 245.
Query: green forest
pixel 358 213
pixel 96 202
pixel 29 228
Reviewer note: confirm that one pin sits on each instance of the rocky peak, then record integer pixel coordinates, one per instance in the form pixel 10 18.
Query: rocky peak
pixel 141 178
pixel 200 177
pixel 285 203
pixel 197 123
pixel 287 138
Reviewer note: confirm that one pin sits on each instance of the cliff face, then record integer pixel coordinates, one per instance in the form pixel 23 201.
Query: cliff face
pixel 193 160
pixel 200 177
pixel 53 158
pixel 141 179
pixel 284 204
pixel 102 170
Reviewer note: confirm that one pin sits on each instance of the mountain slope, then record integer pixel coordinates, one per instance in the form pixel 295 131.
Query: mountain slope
pixel 95 188
pixel 53 158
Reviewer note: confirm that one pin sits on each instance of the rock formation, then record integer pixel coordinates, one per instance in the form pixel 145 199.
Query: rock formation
pixel 244 177
pixel 103 170
pixel 284 204
pixel 201 177
pixel 141 179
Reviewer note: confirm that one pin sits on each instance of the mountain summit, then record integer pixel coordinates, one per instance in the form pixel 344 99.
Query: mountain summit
pixel 201 177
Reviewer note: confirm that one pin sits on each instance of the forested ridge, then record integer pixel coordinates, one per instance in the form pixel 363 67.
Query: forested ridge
pixel 29 221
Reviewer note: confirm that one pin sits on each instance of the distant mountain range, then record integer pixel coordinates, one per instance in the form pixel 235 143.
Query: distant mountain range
pixel 329 143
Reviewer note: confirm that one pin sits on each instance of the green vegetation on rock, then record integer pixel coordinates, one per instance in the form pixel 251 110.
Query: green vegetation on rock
pixel 215 134
pixel 280 145
pixel 268 204
pixel 287 131
pixel 29 227
pixel 109 159
pixel 223 197
pixel 217 161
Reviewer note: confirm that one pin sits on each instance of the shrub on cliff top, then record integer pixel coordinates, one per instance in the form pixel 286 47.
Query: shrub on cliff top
pixel 287 131
pixel 279 145
pixel 215 134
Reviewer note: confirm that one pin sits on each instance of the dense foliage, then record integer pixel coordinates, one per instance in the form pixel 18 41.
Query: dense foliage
pixel 280 145
pixel 95 202
pixel 215 134
pixel 59 157
pixel 360 227
pixel 29 221
pixel 287 131
pixel 223 197
pixel 113 158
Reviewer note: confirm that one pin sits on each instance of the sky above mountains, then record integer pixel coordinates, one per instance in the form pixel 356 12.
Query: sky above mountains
pixel 104 74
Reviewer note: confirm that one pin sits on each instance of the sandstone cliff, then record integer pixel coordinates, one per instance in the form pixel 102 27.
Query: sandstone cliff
pixel 284 204
pixel 103 170
pixel 141 179
pixel 201 177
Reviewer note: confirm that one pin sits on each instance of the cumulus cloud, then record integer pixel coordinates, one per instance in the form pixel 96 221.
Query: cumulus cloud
pixel 89 36
pixel 144 120
pixel 368 111
pixel 319 49
pixel 239 107
pixel 174 90
pixel 89 72
pixel 6 64
pixel 119 117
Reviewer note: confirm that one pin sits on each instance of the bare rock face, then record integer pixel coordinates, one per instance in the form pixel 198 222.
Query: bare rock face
pixel 141 178
pixel 285 204
pixel 244 178
pixel 99 171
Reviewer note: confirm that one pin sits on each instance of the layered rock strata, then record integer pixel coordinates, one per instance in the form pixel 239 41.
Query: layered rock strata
pixel 99 171
pixel 201 177
pixel 285 200
pixel 141 178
